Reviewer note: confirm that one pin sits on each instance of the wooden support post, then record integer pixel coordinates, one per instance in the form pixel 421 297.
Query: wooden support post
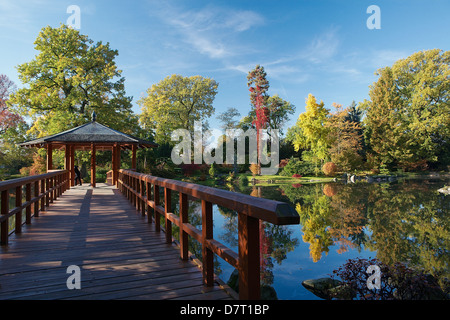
pixel 133 188
pixel 207 233
pixel 249 264
pixel 157 215
pixel 47 195
pixel 184 247
pixel 36 194
pixel 133 157
pixel 117 162
pixel 28 198
pixel 50 190
pixel 114 165
pixel 49 157
pixel 67 164
pixel 137 188
pixel 43 199
pixel 72 165
pixel 4 227
pixel 142 186
pixel 18 228
pixel 55 187
pixel 167 209
pixel 149 208
pixel 93 165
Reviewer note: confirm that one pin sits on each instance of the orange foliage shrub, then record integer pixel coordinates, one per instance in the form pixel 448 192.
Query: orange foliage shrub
pixel 329 169
pixel 254 168
pixel 329 189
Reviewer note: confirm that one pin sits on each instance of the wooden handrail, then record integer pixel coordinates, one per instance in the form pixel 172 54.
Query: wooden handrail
pixel 137 188
pixel 47 187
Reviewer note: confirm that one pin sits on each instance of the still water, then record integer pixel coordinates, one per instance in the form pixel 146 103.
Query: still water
pixel 402 221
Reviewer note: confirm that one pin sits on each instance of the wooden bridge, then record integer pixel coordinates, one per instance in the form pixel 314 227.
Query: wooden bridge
pixel 113 234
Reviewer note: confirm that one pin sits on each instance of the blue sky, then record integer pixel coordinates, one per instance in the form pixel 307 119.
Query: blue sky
pixel 318 47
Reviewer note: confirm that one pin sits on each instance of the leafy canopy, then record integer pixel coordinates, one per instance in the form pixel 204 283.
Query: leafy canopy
pixel 175 103
pixel 311 132
pixel 408 116
pixel 70 77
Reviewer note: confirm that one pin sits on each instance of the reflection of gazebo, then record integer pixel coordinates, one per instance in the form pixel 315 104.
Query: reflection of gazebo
pixel 91 136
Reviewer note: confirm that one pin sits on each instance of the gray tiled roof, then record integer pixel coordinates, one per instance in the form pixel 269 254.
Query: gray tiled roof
pixel 87 133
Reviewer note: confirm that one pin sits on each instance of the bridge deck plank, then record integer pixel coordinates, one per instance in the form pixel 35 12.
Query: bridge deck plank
pixel 120 255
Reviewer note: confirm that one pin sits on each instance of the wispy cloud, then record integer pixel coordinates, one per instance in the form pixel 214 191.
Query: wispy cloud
pixel 212 30
pixel 322 47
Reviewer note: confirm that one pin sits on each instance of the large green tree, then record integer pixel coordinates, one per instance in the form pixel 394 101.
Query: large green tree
pixel 70 77
pixel 175 103
pixel 311 132
pixel 408 115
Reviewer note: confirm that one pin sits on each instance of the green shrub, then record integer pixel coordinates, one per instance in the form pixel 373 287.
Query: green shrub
pixel 212 170
pixel 243 181
pixel 297 166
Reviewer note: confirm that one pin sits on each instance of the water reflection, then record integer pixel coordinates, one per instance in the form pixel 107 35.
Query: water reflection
pixel 403 221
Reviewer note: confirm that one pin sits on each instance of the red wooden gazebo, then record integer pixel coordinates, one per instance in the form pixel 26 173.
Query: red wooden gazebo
pixel 91 136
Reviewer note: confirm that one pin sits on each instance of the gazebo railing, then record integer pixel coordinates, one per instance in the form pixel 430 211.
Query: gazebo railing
pixel 32 194
pixel 137 187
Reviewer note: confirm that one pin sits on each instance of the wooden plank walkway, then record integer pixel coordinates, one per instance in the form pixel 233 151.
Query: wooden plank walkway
pixel 120 255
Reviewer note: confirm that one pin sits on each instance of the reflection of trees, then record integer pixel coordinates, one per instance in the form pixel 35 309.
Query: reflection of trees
pixel 330 214
pixel 407 222
pixel 348 216
pixel 275 241
pixel 315 219
pixel 230 226
pixel 411 224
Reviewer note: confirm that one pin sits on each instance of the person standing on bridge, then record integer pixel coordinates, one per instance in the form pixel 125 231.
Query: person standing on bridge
pixel 77 175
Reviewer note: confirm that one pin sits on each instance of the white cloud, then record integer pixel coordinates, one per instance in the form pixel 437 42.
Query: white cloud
pixel 211 31
pixel 322 47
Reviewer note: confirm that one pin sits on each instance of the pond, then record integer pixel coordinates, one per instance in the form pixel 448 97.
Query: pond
pixel 402 221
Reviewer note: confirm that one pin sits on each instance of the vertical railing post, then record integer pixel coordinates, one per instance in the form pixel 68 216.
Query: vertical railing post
pixel 43 199
pixel 4 227
pixel 184 243
pixel 127 186
pixel 157 214
pixel 56 185
pixel 141 200
pixel 149 196
pixel 133 189
pixel 207 254
pixel 50 190
pixel 18 228
pixel 167 209
pixel 137 185
pixel 36 194
pixel 47 193
pixel 249 264
pixel 28 198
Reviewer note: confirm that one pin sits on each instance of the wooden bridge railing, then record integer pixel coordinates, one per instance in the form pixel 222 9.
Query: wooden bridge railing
pixel 137 187
pixel 40 191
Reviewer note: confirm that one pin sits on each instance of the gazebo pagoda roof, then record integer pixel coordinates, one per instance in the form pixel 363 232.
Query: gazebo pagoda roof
pixel 92 132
